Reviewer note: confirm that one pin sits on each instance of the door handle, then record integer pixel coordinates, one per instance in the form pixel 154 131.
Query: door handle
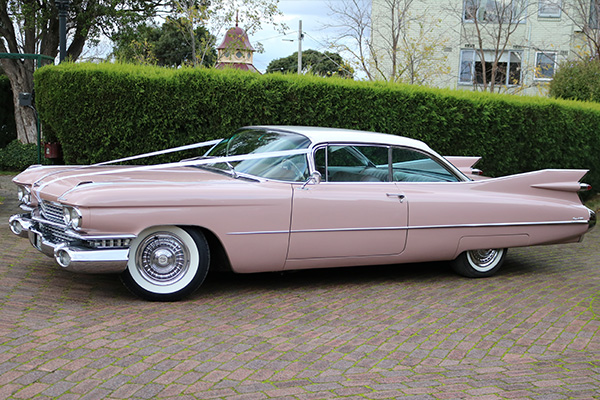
pixel 398 195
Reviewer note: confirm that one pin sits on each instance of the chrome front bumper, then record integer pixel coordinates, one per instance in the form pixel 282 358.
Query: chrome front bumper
pixel 70 257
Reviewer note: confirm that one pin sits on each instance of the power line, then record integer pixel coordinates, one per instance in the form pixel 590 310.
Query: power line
pixel 275 37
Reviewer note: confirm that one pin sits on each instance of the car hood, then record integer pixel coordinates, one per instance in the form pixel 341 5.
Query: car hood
pixel 67 184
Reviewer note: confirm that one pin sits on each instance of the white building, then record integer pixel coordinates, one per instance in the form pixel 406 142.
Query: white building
pixel 449 43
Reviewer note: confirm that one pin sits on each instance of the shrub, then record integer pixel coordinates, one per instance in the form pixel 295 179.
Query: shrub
pixel 577 80
pixel 17 156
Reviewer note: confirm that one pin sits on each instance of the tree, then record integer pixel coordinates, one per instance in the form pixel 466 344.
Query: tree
pixel 31 27
pixel 323 64
pixel 585 15
pixel 166 45
pixel 219 15
pixel 395 40
pixel 490 26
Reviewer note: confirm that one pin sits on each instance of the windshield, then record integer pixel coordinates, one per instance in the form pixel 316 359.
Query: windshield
pixel 254 141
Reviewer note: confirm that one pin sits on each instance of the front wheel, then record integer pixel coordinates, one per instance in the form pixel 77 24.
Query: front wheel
pixel 479 263
pixel 166 263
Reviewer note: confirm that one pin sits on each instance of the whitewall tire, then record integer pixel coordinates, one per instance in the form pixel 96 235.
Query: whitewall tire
pixel 166 263
pixel 479 263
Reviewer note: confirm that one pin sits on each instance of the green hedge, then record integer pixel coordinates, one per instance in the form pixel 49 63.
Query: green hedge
pixel 101 112
pixel 8 132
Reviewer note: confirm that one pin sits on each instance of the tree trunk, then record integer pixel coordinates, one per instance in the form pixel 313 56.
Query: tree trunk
pixel 26 123
pixel 21 81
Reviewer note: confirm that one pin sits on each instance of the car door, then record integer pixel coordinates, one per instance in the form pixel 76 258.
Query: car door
pixel 355 212
pixel 440 203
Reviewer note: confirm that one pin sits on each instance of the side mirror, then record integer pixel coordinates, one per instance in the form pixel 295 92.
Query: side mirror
pixel 314 178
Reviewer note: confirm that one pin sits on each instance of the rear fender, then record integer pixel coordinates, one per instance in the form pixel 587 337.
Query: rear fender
pixel 562 184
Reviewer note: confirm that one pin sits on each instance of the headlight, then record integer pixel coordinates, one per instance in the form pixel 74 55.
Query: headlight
pixel 24 194
pixel 72 217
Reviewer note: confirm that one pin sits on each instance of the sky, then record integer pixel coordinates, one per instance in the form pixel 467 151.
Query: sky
pixel 313 13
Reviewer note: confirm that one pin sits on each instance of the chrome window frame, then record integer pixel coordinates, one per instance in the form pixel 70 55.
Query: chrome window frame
pixel 434 157
pixel 258 178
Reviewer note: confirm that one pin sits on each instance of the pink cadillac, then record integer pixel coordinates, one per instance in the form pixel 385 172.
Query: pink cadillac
pixel 276 198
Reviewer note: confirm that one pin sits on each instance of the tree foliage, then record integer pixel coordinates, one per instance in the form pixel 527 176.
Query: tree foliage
pixel 32 27
pixel 167 45
pixel 219 15
pixel 322 64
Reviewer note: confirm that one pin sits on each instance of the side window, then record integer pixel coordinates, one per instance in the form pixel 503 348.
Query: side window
pixel 349 163
pixel 409 165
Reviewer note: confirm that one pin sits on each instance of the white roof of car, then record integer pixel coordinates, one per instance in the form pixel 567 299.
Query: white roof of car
pixel 332 135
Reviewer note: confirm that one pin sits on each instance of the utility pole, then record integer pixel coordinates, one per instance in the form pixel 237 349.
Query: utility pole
pixel 300 37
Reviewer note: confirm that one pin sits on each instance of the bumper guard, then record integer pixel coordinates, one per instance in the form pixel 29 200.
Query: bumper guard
pixel 70 257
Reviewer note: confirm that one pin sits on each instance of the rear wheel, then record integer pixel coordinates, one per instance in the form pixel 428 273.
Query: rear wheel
pixel 479 263
pixel 166 263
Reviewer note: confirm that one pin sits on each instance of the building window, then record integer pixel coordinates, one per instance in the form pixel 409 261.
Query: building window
pixel 467 67
pixel 508 68
pixel 545 65
pixel 550 8
pixel 494 10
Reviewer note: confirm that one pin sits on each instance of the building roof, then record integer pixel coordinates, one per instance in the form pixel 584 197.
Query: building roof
pixel 242 66
pixel 236 38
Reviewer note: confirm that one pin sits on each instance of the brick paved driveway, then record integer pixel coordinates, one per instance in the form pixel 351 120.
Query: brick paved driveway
pixel 414 331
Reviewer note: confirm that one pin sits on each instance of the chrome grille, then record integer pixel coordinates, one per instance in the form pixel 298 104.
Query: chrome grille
pixel 110 243
pixel 55 234
pixel 52 212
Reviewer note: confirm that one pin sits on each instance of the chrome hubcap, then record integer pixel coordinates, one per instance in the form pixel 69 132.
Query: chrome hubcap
pixel 484 260
pixel 162 258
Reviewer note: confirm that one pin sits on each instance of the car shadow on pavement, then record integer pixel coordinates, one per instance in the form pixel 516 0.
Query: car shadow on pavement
pixel 44 275
pixel 332 278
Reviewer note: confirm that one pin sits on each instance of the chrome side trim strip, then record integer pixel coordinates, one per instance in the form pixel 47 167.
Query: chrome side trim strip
pixel 401 228
pixel 259 233
pixel 386 228
pixel 503 224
